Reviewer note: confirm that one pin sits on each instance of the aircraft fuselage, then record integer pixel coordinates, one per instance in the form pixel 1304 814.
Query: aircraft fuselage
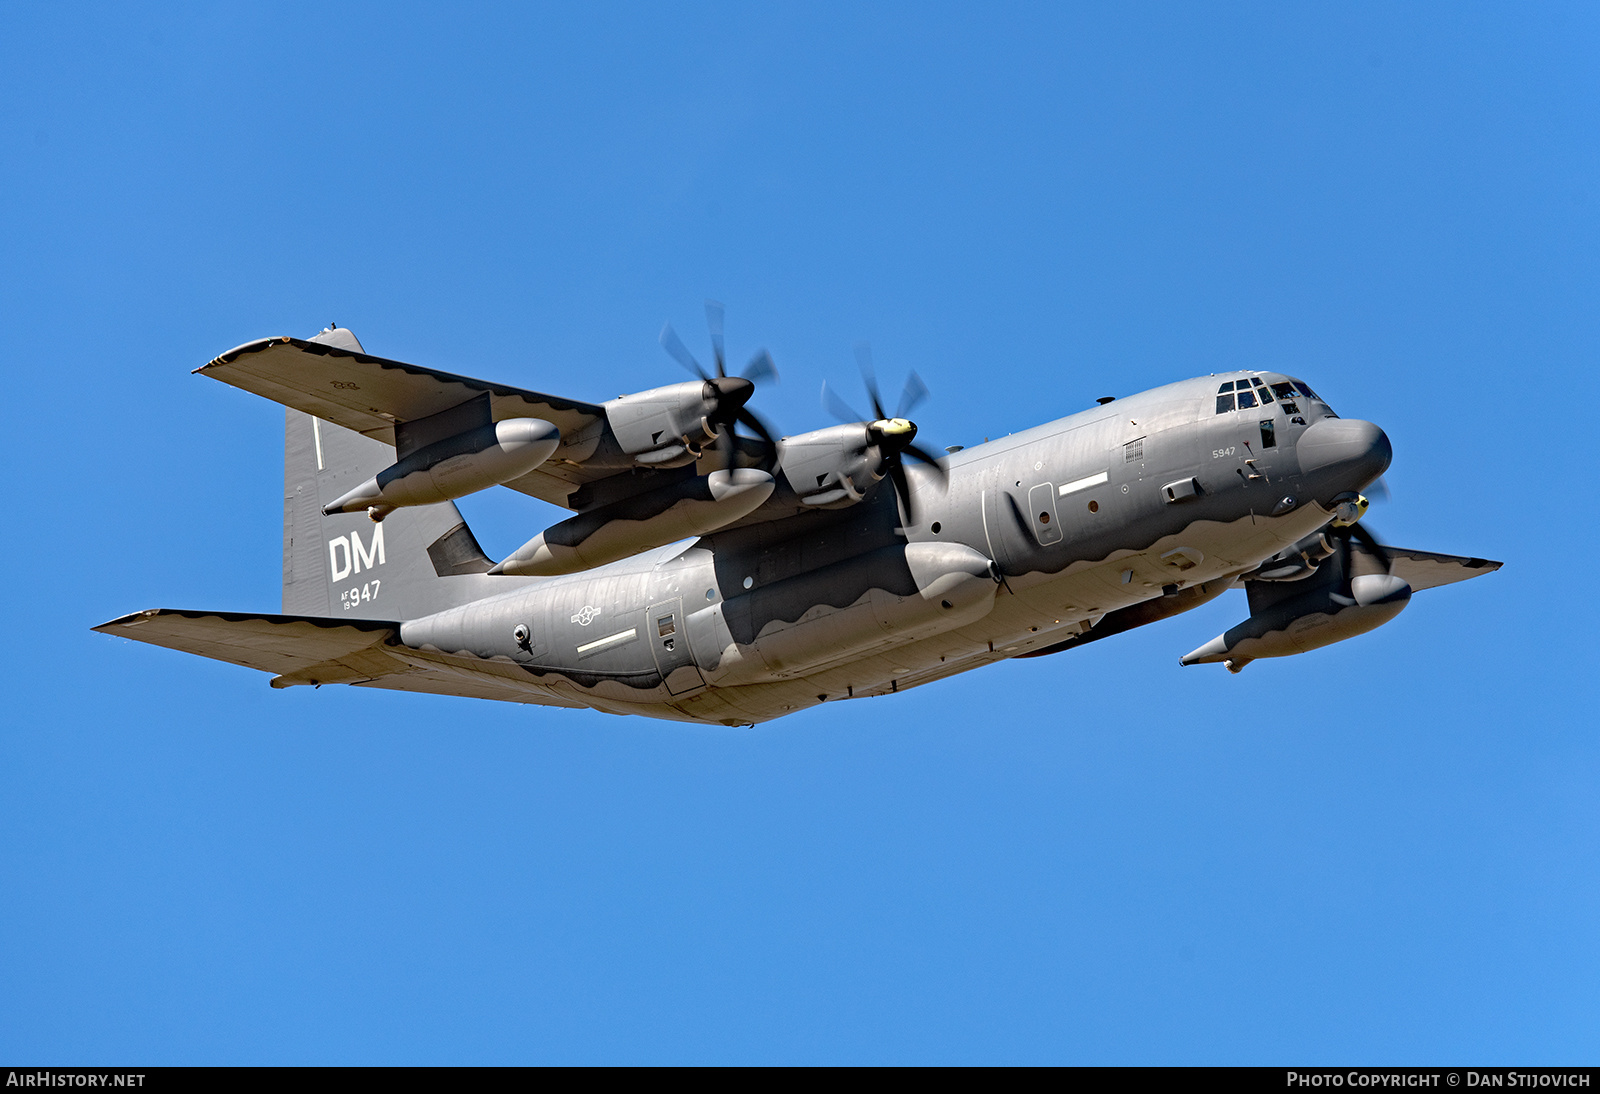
pixel 1158 500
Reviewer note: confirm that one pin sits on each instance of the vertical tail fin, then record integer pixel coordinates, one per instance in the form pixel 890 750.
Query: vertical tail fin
pixel 417 561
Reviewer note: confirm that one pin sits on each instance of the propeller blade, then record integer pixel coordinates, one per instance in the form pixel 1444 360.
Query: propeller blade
pixel 1379 491
pixel 911 396
pixel 868 377
pixel 680 352
pixel 761 368
pixel 759 427
pixel 714 318
pixel 931 460
pixel 902 488
pixel 837 406
pixel 1370 542
pixel 764 431
pixel 725 446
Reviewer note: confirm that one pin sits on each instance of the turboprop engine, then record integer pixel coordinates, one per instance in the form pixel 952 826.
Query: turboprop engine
pixel 656 427
pixel 454 467
pixel 835 467
pixel 1300 601
pixel 670 426
pixel 691 507
pixel 832 467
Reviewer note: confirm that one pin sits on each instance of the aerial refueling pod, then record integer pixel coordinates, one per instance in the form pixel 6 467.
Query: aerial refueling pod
pixel 1294 616
pixel 692 507
pixel 454 467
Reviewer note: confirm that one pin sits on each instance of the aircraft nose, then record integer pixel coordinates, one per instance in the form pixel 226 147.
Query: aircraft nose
pixel 1348 450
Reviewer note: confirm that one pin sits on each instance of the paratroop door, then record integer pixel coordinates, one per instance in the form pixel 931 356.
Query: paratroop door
pixel 669 641
pixel 1042 513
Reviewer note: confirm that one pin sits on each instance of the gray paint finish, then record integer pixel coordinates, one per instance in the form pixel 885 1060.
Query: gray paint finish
pixel 1067 533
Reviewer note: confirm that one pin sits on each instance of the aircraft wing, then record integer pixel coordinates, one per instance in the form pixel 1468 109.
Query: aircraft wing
pixel 1427 569
pixel 372 395
pixel 282 644
pixel 476 678
pixel 312 650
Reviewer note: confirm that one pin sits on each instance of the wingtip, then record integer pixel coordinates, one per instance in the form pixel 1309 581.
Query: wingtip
pixel 133 619
pixel 237 351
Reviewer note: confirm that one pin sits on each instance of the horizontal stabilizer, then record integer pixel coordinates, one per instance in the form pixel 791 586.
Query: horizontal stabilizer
pixel 311 650
pixel 281 644
pixel 371 394
pixel 1427 569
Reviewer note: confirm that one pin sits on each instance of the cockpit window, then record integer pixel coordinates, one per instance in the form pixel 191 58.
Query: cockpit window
pixel 1246 393
pixel 1307 392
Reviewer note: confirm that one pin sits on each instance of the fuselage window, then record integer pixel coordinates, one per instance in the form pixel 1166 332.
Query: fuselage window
pixel 1269 435
pixel 1247 399
pixel 1224 403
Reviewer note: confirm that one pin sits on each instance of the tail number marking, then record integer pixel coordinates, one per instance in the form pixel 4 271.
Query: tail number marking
pixel 353 598
pixel 347 554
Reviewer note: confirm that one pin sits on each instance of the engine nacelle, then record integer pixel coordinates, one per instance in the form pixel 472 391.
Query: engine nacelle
pixel 833 467
pixel 454 467
pixel 625 528
pixel 665 426
pixel 1318 617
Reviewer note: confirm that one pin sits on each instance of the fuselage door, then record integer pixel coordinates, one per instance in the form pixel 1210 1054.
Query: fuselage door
pixel 1042 513
pixel 669 641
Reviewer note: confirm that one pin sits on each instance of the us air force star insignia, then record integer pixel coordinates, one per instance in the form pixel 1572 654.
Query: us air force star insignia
pixel 585 615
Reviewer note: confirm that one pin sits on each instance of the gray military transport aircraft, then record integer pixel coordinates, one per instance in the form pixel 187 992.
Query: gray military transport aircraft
pixel 711 577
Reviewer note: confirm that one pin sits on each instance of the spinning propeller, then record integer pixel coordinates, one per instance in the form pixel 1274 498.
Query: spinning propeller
pixel 1346 526
pixel 891 436
pixel 727 395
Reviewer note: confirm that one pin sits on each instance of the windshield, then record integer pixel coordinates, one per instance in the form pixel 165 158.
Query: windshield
pixel 1253 392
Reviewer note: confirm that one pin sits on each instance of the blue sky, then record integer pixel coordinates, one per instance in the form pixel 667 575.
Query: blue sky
pixel 1385 852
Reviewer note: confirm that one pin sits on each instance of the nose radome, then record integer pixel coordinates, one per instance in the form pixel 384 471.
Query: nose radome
pixel 1354 450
